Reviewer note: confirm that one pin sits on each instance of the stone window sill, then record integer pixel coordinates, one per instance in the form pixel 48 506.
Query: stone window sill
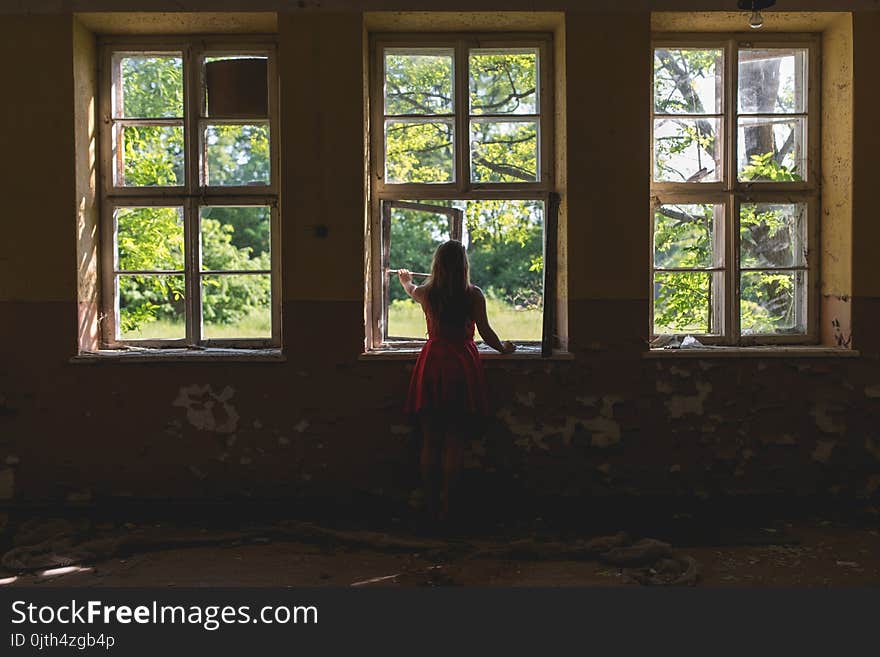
pixel 179 355
pixel 754 352
pixel 523 352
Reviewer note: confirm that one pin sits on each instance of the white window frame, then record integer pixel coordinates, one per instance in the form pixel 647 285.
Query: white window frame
pixel 383 194
pixel 731 193
pixel 194 194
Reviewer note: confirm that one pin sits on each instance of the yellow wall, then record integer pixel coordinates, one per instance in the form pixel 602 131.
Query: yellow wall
pixel 866 158
pixel 37 262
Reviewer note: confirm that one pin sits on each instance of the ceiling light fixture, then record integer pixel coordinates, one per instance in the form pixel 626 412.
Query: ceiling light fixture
pixel 756 21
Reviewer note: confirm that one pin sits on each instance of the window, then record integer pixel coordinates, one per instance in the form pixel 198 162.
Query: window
pixel 189 194
pixel 735 189
pixel 461 137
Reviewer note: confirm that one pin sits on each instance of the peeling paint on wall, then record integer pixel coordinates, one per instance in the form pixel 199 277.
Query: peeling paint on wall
pixel 873 392
pixel 681 405
pixel 823 450
pixel 207 410
pixel 823 415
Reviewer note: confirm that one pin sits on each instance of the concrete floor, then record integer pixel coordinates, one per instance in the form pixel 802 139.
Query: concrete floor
pixel 812 553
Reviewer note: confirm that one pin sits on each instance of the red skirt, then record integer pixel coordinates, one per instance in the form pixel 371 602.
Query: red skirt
pixel 449 377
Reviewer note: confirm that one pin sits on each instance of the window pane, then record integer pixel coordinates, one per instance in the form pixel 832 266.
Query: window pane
pixel 236 306
pixel 772 235
pixel 152 156
pixel 415 235
pixel 418 81
pixel 772 149
pixel 152 86
pixel 682 302
pixel 773 81
pixel 684 236
pixel 149 238
pixel 419 152
pixel 773 302
pixel 235 237
pixel 687 150
pixel 236 87
pixel 688 80
pixel 505 244
pixel 237 155
pixel 151 307
pixel 504 81
pixel 504 151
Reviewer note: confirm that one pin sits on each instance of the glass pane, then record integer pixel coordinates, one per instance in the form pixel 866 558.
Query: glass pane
pixel 152 87
pixel 772 235
pixel 235 237
pixel 418 81
pixel 688 80
pixel 151 307
pixel 419 152
pixel 505 243
pixel 415 235
pixel 687 150
pixel 773 81
pixel 149 238
pixel 684 236
pixel 772 149
pixel 236 87
pixel 504 151
pixel 237 155
pixel 236 306
pixel 504 81
pixel 772 302
pixel 152 156
pixel 682 302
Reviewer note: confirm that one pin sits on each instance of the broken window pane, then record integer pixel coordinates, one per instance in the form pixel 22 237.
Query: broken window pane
pixel 504 151
pixel 236 87
pixel 237 155
pixel 688 80
pixel 152 156
pixel 772 302
pixel 234 238
pixel 682 302
pixel 505 244
pixel 236 306
pixel 152 86
pixel 151 307
pixel 773 235
pixel 149 238
pixel 687 150
pixel 773 81
pixel 418 81
pixel 419 151
pixel 684 236
pixel 503 81
pixel 772 149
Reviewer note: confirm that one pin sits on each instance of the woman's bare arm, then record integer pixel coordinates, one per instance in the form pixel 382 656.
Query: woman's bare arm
pixel 413 290
pixel 482 320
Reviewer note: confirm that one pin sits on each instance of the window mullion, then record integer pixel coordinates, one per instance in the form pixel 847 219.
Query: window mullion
pixel 462 116
pixel 193 186
pixel 731 213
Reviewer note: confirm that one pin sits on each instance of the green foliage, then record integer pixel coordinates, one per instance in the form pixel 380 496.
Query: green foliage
pixel 765 166
pixel 232 238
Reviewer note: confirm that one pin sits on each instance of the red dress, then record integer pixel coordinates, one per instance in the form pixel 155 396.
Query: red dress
pixel 448 375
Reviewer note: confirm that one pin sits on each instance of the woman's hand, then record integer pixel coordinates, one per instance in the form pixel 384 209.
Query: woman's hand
pixel 405 277
pixel 508 347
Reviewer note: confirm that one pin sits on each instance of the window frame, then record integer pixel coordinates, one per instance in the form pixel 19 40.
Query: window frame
pixel 462 188
pixel 193 194
pixel 731 193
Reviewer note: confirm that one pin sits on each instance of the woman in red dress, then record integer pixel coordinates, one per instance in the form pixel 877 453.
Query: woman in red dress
pixel 447 391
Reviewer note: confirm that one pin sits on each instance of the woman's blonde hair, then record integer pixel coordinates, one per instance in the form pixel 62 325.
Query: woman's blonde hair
pixel 447 288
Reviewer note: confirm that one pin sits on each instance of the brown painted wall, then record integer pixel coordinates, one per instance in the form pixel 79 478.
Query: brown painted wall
pixel 324 424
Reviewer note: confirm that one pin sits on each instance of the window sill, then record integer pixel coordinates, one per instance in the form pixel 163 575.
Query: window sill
pixel 528 353
pixel 179 355
pixel 776 351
